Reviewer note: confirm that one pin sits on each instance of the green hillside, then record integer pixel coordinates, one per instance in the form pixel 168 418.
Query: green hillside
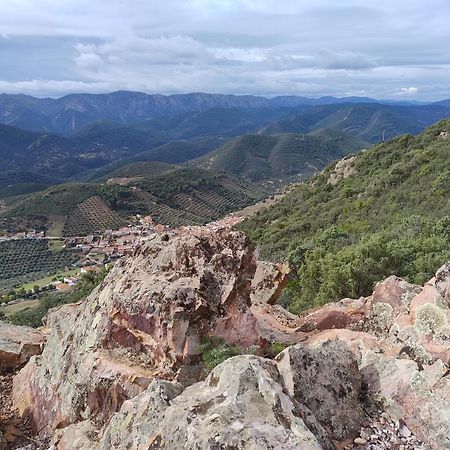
pixel 216 122
pixel 187 196
pixel 282 156
pixel 391 216
pixel 174 152
pixel 140 169
pixel 172 195
pixel 67 209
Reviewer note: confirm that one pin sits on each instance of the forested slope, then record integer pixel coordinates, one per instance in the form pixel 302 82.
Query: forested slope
pixel 391 215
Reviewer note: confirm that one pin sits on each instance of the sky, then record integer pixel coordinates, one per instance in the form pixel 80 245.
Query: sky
pixel 393 49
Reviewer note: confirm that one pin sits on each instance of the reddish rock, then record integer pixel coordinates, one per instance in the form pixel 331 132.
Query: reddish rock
pixel 395 292
pixel 347 313
pixel 148 319
pixel 268 282
pixel 429 294
pixel 17 345
pixel 115 369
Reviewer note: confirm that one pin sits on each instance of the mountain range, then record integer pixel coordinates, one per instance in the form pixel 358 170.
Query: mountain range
pixel 370 122
pixel 182 136
pixel 72 112
pixel 80 142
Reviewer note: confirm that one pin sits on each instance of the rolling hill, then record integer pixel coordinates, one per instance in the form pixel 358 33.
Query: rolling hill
pixel 138 169
pixel 112 136
pixel 64 157
pixel 172 195
pixel 384 212
pixel 369 122
pixel 227 122
pixel 281 156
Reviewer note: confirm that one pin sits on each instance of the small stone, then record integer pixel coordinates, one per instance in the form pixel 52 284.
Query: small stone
pixel 365 435
pixel 404 431
pixel 360 441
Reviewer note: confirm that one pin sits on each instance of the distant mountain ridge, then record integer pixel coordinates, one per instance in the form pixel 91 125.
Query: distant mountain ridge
pixel 74 111
pixel 370 122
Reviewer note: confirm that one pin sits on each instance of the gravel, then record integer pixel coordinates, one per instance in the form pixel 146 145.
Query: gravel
pixel 381 433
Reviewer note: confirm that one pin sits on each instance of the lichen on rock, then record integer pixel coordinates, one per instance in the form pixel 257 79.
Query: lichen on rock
pixel 430 318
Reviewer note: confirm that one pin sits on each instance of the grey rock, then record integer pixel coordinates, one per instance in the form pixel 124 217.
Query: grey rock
pixel 17 345
pixel 327 380
pixel 240 405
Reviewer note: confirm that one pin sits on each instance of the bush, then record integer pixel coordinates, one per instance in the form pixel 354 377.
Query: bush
pixel 391 217
pixel 215 351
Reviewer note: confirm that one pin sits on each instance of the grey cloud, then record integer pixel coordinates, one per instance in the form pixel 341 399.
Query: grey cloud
pixel 231 46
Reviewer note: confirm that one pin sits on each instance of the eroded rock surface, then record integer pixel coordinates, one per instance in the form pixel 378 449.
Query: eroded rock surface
pixel 240 405
pixel 122 370
pixel 147 320
pixel 17 345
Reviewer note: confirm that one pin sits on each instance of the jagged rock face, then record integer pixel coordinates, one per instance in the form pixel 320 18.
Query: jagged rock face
pixel 118 369
pixel 327 380
pixel 400 338
pixel 17 345
pixel 240 405
pixel 146 320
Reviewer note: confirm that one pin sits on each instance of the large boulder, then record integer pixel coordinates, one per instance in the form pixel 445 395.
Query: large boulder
pixel 123 368
pixel 17 345
pixel 147 320
pixel 241 405
pixel 326 378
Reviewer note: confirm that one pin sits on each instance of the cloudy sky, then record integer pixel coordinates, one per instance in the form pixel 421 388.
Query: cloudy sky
pixel 396 49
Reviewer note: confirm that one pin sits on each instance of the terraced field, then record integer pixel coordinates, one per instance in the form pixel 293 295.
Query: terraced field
pixel 29 259
pixel 91 215
pixel 171 195
pixel 193 196
pixel 66 210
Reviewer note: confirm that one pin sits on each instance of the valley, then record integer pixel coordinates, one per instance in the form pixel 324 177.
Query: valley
pixel 192 164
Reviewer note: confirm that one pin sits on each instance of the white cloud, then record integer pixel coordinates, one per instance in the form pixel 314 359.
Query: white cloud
pixel 251 55
pixel 43 88
pixel 408 91
pixel 237 46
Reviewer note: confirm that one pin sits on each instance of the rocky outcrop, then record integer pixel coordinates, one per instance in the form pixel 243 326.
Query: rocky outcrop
pixel 123 369
pixel 240 405
pixel 343 169
pixel 17 345
pixel 399 338
pixel 147 320
pixel 327 380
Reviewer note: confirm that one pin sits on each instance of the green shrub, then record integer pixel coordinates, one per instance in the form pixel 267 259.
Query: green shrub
pixel 391 217
pixel 215 351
